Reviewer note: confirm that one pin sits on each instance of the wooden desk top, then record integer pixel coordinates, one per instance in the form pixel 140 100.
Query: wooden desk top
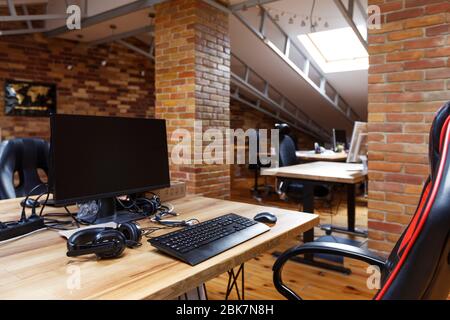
pixel 321 171
pixel 328 156
pixel 36 267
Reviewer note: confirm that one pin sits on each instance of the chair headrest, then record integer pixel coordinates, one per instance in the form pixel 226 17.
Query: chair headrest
pixel 437 134
pixel 283 128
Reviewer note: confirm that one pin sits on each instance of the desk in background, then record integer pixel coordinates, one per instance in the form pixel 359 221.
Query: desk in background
pixel 308 156
pixel 311 174
pixel 36 267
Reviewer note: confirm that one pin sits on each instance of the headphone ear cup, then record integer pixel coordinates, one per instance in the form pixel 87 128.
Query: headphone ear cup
pixel 114 237
pixel 83 239
pixel 150 206
pixel 132 233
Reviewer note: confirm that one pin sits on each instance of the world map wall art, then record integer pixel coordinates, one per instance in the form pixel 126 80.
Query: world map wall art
pixel 24 98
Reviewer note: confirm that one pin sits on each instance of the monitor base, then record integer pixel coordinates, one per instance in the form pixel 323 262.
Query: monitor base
pixel 120 217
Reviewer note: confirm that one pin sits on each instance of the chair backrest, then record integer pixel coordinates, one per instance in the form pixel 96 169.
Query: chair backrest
pixel 287 148
pixel 255 136
pixel 24 156
pixel 419 265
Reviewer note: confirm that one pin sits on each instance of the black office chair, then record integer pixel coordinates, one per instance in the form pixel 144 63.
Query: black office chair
pixel 292 188
pixel 24 156
pixel 258 191
pixel 419 265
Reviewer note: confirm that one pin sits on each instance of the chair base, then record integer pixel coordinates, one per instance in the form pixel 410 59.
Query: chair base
pixel 329 229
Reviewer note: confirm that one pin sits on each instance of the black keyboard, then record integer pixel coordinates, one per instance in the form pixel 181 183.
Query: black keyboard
pixel 197 243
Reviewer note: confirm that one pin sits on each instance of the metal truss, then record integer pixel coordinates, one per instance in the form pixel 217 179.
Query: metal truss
pixel 85 21
pixel 281 109
pixel 348 14
pixel 27 18
pixel 149 54
pixel 108 15
pixel 250 3
pixel 121 36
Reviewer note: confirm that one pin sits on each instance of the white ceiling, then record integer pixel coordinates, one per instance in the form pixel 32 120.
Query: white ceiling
pixel 265 62
pixel 353 85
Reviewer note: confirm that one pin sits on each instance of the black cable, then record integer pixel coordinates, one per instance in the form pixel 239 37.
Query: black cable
pixel 312 24
pixel 124 206
pixel 23 214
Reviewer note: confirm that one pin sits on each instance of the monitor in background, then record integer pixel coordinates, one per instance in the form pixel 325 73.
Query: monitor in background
pixel 99 158
pixel 339 137
pixel 358 145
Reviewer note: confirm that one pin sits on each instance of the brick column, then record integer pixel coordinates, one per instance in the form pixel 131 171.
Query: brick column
pixel 192 82
pixel 408 81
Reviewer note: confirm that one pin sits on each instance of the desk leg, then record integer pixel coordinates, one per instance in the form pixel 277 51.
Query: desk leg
pixel 308 206
pixel 351 207
pixel 308 236
pixel 233 283
pixel 351 213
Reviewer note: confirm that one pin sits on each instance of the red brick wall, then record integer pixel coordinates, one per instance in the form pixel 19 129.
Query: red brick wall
pixel 118 89
pixel 408 81
pixel 193 82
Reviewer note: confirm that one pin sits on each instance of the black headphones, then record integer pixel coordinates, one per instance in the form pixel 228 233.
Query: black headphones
pixel 149 206
pixel 106 243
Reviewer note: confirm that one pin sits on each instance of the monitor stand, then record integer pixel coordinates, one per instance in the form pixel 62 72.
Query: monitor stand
pixel 109 213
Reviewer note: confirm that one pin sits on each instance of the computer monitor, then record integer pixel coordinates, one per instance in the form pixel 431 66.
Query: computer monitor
pixel 358 145
pixel 100 158
pixel 339 137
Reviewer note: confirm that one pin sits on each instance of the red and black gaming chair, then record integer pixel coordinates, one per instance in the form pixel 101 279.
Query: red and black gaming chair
pixel 419 265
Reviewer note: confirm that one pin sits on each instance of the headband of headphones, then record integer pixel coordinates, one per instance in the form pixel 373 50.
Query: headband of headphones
pixel 104 242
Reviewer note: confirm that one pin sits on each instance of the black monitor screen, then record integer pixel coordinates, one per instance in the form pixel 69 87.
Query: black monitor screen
pixel 339 137
pixel 100 157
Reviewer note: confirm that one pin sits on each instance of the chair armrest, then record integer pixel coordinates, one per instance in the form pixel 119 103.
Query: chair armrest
pixel 338 249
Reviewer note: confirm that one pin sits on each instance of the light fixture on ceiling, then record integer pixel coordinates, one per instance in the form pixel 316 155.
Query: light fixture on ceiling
pixel 310 20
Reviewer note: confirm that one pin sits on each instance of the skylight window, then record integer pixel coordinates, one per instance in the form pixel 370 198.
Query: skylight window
pixel 336 50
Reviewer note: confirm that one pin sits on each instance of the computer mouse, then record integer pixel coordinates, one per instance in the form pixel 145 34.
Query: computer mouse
pixel 30 203
pixel 265 217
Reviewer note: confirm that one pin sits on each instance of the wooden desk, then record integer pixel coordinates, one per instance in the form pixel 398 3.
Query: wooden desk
pixel 36 267
pixel 311 174
pixel 328 156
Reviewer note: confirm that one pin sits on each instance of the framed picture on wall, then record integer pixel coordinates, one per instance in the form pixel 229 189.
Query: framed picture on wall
pixel 24 98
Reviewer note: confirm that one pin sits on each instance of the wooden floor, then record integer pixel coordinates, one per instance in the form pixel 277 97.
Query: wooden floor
pixel 308 282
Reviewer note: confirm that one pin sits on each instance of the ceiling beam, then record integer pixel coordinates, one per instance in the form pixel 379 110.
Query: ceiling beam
pixel 12 8
pixel 136 49
pixel 345 13
pixel 250 3
pixel 20 31
pixel 34 17
pixel 25 11
pixel 107 15
pixel 123 35
pixel 21 2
